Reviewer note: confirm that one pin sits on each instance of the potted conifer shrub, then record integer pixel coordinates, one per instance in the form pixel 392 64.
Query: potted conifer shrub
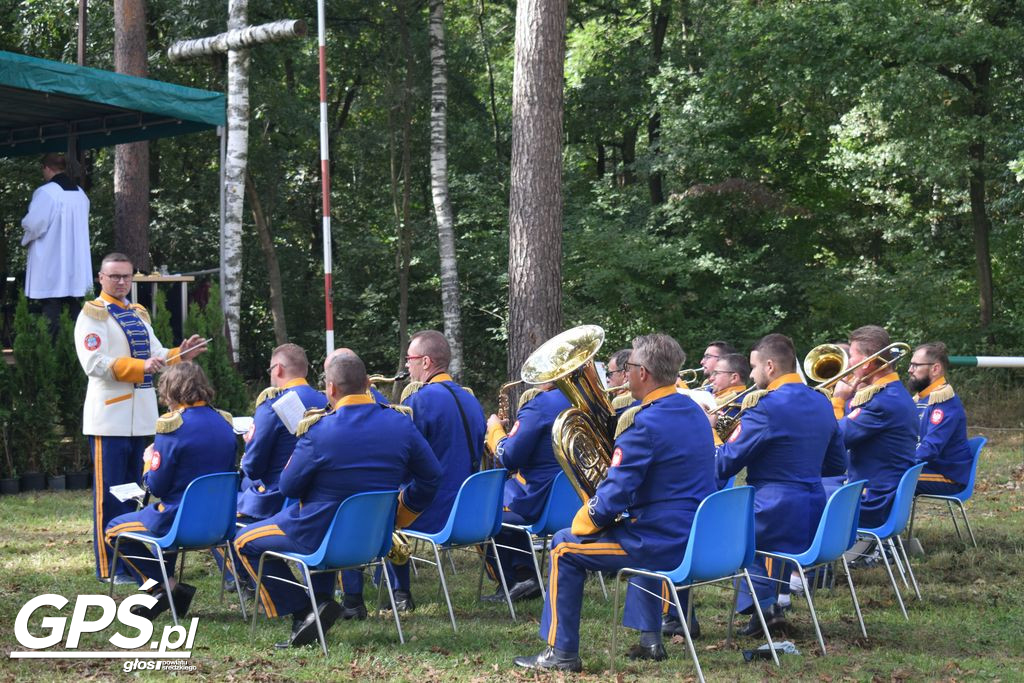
pixel 34 398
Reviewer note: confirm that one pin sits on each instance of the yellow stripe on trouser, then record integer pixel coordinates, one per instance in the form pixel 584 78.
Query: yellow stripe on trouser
pixel 122 528
pixel 98 491
pixel 936 478
pixel 767 567
pixel 578 549
pixel 271 530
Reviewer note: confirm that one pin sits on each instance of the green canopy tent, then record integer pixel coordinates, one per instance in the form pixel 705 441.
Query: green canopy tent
pixel 48 106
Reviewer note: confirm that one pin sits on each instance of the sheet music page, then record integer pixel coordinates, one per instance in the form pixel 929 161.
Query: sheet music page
pixel 126 492
pixel 290 409
pixel 241 424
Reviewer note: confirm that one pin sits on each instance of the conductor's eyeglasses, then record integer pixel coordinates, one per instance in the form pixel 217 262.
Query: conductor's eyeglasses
pixel 117 278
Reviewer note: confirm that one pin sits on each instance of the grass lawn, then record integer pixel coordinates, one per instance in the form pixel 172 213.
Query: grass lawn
pixel 970 625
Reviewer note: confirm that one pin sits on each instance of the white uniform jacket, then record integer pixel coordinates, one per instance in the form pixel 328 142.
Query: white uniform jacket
pixel 114 403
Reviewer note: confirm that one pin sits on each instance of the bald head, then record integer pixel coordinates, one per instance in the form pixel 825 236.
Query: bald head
pixel 337 353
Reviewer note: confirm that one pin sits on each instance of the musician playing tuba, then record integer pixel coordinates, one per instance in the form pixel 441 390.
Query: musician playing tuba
pixel 662 467
pixel 526 452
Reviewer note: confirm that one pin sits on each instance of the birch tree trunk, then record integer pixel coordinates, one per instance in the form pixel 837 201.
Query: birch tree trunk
pixel 234 176
pixel 131 161
pixel 535 196
pixel 439 188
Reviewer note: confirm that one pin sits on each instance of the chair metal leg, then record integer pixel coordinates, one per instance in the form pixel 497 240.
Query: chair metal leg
pixel 892 577
pixel 167 582
pixel 760 616
pixel 224 576
pixel 899 561
pixel 536 565
pixel 444 586
pixel 451 562
pixel 480 580
pixel 910 570
pixel 312 601
pixel 391 599
pixel 967 522
pixel 181 567
pixel 615 621
pixel 949 505
pixel 501 575
pixel 913 514
pixel 810 606
pixel 686 626
pixel 113 563
pixel 853 593
pixel 600 580
pixel 238 581
pixel 732 610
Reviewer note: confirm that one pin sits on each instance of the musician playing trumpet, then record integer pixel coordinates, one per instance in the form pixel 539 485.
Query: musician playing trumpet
pixel 729 379
pixel 656 475
pixel 787 439
pixel 526 452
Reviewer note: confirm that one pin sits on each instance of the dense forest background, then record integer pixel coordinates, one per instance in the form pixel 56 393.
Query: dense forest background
pixel 731 168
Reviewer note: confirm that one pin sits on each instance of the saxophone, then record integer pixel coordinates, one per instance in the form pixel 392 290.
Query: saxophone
pixel 504 413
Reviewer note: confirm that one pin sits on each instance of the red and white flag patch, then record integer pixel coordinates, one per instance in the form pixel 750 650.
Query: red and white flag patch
pixel 515 428
pixel 616 457
pixel 937 416
pixel 91 342
pixel 736 432
pixel 154 462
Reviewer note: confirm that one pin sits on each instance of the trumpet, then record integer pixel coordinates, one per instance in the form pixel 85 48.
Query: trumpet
pixel 691 377
pixel 383 379
pixel 616 391
pixel 828 364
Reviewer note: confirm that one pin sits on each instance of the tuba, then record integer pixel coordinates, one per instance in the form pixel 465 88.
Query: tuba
pixel 582 435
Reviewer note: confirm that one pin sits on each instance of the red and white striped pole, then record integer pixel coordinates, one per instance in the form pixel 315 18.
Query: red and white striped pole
pixel 325 175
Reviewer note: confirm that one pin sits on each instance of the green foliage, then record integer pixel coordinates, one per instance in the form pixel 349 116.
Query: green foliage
pixel 73 383
pixel 231 393
pixel 34 394
pixel 161 317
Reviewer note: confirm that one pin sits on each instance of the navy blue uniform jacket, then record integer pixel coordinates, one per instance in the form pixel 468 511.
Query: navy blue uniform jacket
pixel 942 437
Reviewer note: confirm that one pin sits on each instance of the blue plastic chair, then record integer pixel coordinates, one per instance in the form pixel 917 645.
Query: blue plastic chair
pixel 720 548
pixel 205 520
pixel 837 532
pixel 474 520
pixel 976 444
pixel 359 537
pixel 560 507
pixel 891 529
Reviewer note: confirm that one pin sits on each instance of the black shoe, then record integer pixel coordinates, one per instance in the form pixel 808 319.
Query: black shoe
pixel 548 659
pixel 670 626
pixel 526 589
pixel 182 593
pixel 403 601
pixel 774 617
pixel 305 633
pixel 654 653
pixel 357 612
pixel 496 596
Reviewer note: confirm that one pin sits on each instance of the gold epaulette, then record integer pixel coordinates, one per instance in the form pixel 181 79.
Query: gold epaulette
pixel 940 395
pixel 404 410
pixel 469 391
pixel 267 394
pixel 726 398
pixel 311 418
pixel 142 313
pixel 824 391
pixel 227 416
pixel 865 395
pixel 528 396
pixel 410 389
pixel 169 422
pixel 626 421
pixel 96 310
pixel 621 401
pixel 751 399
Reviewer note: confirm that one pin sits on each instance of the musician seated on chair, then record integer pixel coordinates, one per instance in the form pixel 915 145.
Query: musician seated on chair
pixel 191 441
pixel 452 421
pixel 357 446
pixel 879 423
pixel 709 361
pixel 786 438
pixel 527 454
pixel 377 395
pixel 942 438
pixel 615 376
pixel 662 467
pixel 729 379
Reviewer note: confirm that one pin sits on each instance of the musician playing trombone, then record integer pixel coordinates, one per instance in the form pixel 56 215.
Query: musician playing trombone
pixel 716 351
pixel 879 423
pixel 787 438
pixel 729 379
pixel 656 475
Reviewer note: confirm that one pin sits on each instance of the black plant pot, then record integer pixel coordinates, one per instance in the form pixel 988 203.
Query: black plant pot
pixel 77 481
pixel 56 482
pixel 9 487
pixel 33 481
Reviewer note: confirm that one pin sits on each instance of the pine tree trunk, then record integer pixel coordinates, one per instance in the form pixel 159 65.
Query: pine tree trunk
pixel 439 187
pixel 131 161
pixel 535 196
pixel 403 257
pixel 234 176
